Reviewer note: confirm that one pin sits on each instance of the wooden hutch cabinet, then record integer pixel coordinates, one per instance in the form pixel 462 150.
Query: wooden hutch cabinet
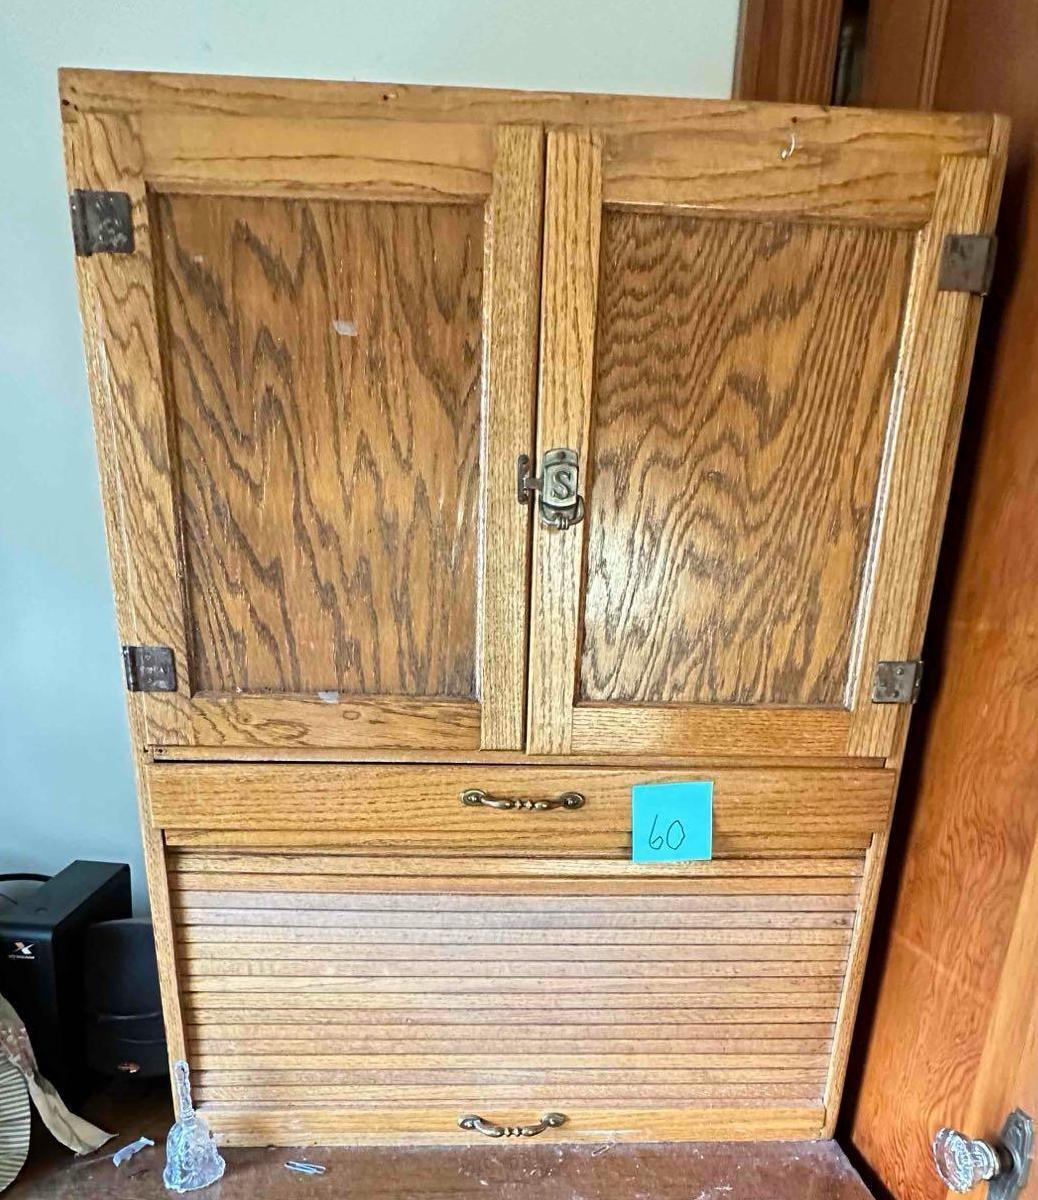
pixel 469 457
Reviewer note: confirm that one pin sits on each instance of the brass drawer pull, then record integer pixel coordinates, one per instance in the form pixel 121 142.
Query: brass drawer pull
pixel 476 798
pixel 482 1125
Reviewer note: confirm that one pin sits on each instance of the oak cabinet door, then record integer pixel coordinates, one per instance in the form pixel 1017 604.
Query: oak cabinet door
pixel 747 347
pixel 312 378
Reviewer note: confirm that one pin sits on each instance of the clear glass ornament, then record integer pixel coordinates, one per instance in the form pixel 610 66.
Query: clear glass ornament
pixel 192 1159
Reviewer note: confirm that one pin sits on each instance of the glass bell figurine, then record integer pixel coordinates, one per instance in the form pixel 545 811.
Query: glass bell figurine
pixel 192 1159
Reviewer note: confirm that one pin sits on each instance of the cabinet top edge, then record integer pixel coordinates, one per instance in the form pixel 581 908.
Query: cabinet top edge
pixel 87 90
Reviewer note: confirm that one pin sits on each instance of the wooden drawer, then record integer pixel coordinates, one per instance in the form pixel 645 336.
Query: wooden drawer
pixel 410 808
pixel 343 997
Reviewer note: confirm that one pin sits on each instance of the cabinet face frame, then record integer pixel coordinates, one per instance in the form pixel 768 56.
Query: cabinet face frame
pixel 490 164
pixel 141 133
pixel 662 170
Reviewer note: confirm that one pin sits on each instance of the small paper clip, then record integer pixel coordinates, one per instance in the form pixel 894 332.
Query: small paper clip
pixel 305 1168
pixel 788 151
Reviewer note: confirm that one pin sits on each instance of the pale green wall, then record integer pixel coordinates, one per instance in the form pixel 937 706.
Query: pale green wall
pixel 66 787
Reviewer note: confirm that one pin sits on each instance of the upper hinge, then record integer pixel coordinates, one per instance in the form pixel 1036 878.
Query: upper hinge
pixel 102 222
pixel 967 263
pixel 149 669
pixel 897 682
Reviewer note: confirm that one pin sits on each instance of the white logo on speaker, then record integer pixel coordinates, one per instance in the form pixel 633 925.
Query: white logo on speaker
pixel 23 950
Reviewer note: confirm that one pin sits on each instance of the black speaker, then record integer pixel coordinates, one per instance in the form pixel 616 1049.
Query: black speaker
pixel 42 942
pixel 123 1009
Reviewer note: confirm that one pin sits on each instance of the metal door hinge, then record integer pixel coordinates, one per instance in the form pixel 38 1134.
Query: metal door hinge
pixel 149 669
pixel 897 682
pixel 967 263
pixel 560 505
pixel 102 222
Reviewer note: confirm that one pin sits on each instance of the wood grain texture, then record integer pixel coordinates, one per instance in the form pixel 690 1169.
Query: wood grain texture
pixel 398 958
pixel 258 316
pixel 857 959
pixel 413 807
pixel 325 365
pixel 743 374
pixel 277 155
pixel 787 50
pixel 903 48
pixel 697 731
pixel 951 1037
pixel 124 367
pixel 98 150
pixel 572 219
pixel 454 757
pixel 304 1124
pixel 174 96
pixel 268 723
pixel 934 362
pixel 512 287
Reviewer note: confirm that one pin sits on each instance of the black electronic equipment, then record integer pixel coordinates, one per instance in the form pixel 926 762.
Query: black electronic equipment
pixel 123 1007
pixel 42 939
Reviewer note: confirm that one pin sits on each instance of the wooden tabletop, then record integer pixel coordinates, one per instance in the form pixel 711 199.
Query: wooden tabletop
pixel 498 1171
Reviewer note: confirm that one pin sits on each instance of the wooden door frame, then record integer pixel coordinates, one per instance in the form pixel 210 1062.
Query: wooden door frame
pixel 141 149
pixel 786 50
pixel 948 191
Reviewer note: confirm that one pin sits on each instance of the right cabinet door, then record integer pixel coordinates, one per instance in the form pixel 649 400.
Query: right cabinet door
pixel 747 341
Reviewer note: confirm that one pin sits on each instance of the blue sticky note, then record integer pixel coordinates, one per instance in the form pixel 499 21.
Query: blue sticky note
pixel 672 822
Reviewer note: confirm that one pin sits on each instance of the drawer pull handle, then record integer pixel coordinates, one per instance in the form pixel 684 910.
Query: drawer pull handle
pixel 477 798
pixel 482 1125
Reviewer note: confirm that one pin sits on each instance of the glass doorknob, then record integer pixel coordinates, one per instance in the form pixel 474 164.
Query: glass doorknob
pixel 963 1162
pixel 1003 1163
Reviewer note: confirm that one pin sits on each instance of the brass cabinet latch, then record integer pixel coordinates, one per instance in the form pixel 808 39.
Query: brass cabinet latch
pixel 560 504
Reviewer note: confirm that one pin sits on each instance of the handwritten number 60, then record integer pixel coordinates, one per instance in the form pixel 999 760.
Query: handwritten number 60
pixel 674 836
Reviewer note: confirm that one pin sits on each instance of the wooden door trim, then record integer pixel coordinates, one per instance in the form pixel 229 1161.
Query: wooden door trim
pixel 308 157
pixel 512 289
pixel 864 921
pixel 704 728
pixel 124 367
pixel 960 193
pixel 932 376
pixel 503 167
pixel 786 50
pixel 572 225
pixel 173 96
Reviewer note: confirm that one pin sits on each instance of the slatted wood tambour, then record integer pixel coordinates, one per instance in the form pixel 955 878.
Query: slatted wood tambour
pixel 347 328
pixel 314 980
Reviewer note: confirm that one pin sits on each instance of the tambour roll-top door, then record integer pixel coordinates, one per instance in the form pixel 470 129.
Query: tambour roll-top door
pixel 381 997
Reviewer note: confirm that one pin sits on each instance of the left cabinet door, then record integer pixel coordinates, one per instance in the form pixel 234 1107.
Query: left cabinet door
pixel 311 379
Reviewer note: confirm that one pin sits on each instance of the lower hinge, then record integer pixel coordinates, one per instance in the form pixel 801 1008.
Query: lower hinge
pixel 967 263
pixel 102 222
pixel 149 669
pixel 897 682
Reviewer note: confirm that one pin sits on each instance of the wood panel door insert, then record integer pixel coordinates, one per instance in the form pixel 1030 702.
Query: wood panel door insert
pixel 312 379
pixel 763 382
